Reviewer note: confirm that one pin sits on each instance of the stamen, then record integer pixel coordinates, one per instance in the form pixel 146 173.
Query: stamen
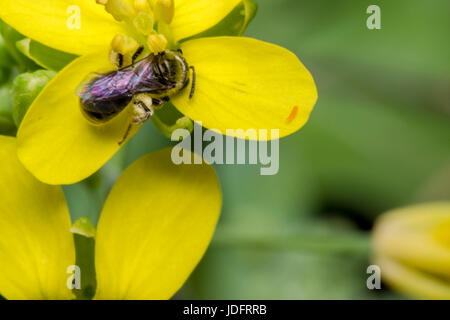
pixel 120 9
pixel 123 47
pixel 157 43
pixel 102 2
pixel 293 114
pixel 141 5
pixel 124 44
pixel 164 10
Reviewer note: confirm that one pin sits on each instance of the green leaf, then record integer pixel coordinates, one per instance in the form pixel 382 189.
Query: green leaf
pixel 6 61
pixel 5 74
pixel 10 37
pixel 44 56
pixel 235 23
pixel 6 121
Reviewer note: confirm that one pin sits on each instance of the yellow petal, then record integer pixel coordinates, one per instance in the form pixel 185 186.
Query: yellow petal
pixel 244 83
pixel 411 281
pixel 55 142
pixel 77 27
pixel 156 225
pixel 36 246
pixel 194 16
pixel 412 235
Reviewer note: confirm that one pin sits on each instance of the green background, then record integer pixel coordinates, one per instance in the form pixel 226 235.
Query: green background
pixel 377 139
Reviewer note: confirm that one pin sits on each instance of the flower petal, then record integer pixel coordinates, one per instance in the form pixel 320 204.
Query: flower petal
pixel 36 246
pixel 243 83
pixel 54 23
pixel 412 281
pixel 195 16
pixel 55 142
pixel 156 225
pixel 409 235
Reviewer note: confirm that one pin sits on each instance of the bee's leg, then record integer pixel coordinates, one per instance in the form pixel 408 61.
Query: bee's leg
pixel 137 54
pixel 141 110
pixel 194 79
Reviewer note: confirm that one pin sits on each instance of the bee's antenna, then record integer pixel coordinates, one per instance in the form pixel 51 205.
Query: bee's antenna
pixel 194 78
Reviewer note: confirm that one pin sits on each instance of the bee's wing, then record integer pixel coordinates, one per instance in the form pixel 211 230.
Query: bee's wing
pixel 108 87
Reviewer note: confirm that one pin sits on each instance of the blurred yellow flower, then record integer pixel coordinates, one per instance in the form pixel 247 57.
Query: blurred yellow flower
pixel 412 248
pixel 154 228
pixel 242 83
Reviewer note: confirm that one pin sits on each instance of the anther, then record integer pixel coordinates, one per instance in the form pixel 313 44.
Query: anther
pixel 123 49
pixel 157 43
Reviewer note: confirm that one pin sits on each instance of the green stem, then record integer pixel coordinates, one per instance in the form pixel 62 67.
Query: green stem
pixel 354 244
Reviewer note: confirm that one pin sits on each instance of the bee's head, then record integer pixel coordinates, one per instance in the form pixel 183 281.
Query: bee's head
pixel 174 68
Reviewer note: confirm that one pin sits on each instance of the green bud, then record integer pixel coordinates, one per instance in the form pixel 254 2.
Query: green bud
pixel 168 119
pixel 26 88
pixel 84 227
pixel 10 38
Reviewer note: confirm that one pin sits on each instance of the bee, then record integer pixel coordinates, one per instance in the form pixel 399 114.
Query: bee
pixel 144 84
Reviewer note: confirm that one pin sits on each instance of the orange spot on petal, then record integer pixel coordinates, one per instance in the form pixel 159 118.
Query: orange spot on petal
pixel 293 114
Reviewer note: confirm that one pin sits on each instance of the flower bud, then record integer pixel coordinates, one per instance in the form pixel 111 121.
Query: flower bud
pixel 26 88
pixel 84 227
pixel 412 248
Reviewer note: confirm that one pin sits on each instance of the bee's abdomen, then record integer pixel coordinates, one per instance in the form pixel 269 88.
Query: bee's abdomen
pixel 100 111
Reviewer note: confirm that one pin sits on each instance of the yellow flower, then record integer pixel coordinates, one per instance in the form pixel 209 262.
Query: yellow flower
pixel 242 83
pixel 412 248
pixel 155 226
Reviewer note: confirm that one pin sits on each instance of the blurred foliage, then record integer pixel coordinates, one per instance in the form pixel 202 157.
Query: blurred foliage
pixel 378 139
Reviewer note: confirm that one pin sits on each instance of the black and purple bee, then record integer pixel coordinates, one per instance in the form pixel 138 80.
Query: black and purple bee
pixel 145 84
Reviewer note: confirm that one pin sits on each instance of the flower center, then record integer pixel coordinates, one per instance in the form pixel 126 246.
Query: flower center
pixel 148 24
